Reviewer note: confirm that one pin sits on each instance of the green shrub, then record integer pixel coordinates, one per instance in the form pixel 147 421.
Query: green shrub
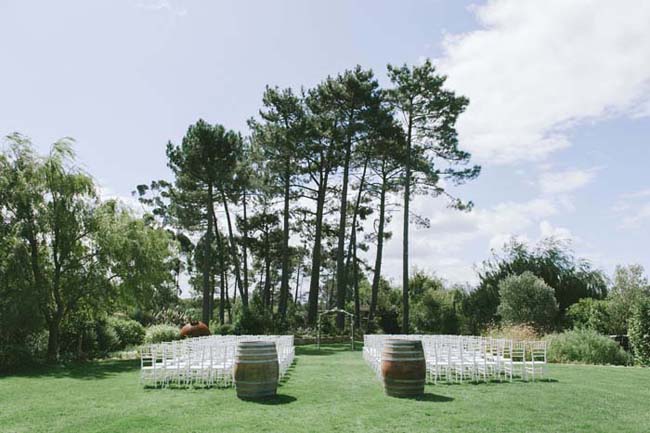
pixel 629 289
pixel 520 332
pixel 160 333
pixel 526 298
pixel 592 314
pixel 296 315
pixel 225 329
pixel 639 332
pixel 256 320
pixel 585 346
pixel 107 338
pixel 436 311
pixel 129 332
pixel 14 355
pixel 173 314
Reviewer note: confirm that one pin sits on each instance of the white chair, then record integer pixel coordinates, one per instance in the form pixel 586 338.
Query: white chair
pixel 536 362
pixel 514 362
pixel 148 371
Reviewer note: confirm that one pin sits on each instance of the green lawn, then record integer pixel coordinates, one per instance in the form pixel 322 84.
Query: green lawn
pixel 332 390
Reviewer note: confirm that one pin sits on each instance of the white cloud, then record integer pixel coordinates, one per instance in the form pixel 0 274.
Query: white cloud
pixel 636 194
pixel 174 8
pixel 130 202
pixel 536 68
pixel 547 230
pixel 440 247
pixel 637 217
pixel 565 181
pixel 632 209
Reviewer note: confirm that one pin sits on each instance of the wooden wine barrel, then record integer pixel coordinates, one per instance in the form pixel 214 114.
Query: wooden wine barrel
pixel 256 369
pixel 403 368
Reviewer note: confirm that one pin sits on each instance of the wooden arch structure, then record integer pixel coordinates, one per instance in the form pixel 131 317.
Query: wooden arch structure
pixel 337 311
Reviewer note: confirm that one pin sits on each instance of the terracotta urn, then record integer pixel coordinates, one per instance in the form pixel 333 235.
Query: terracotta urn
pixel 195 329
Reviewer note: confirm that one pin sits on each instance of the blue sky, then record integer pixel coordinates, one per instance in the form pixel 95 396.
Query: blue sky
pixel 558 118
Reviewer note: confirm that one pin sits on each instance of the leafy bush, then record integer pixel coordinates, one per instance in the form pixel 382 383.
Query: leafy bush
pixel 225 329
pixel 296 315
pixel 107 338
pixel 13 355
pixel 257 320
pixel 520 332
pixel 585 346
pixel 572 278
pixel 174 314
pixel 592 314
pixel 388 319
pixel 639 332
pixel 436 312
pixel 526 298
pixel 29 351
pixel 129 332
pixel 83 336
pixel 629 289
pixel 160 333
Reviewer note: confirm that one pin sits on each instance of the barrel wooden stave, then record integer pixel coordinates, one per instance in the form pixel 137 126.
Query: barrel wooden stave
pixel 256 369
pixel 403 368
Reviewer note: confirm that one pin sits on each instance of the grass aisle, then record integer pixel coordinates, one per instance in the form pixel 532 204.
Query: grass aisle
pixel 328 391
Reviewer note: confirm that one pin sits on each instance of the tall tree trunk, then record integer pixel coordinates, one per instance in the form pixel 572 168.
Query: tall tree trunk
pixel 205 314
pixel 355 270
pixel 53 340
pixel 222 267
pixel 213 285
pixel 39 283
pixel 228 303
pixel 405 240
pixel 314 283
pixel 284 284
pixel 298 272
pixel 355 214
pixel 267 274
pixel 380 250
pixel 244 246
pixel 340 255
pixel 271 294
pixel 233 252
pixel 222 297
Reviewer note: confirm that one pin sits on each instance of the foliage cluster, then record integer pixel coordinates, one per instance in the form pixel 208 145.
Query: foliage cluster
pixel 639 330
pixel 526 298
pixel 161 333
pixel 585 346
pixel 68 259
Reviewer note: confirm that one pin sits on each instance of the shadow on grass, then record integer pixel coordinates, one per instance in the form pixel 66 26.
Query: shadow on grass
pixel 516 380
pixel 91 370
pixel 547 380
pixel 427 396
pixel 271 401
pixel 289 372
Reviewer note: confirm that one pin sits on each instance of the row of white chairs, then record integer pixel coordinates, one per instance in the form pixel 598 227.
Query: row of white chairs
pixel 204 361
pixel 456 358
